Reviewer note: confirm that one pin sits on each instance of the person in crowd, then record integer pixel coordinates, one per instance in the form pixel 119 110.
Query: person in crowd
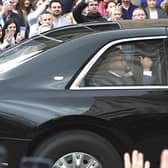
pixel 143 3
pixel 7 13
pixel 1 18
pixel 139 14
pixel 92 16
pixel 69 15
pixel 46 22
pixel 1 4
pixel 11 34
pixel 154 12
pixel 67 6
pixel 15 6
pixel 111 5
pixel 25 7
pixel 164 6
pixel 56 9
pixel 39 7
pixel 127 8
pixel 102 7
pixel 136 160
pixel 116 14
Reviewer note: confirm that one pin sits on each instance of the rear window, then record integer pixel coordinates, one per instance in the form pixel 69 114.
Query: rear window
pixel 25 51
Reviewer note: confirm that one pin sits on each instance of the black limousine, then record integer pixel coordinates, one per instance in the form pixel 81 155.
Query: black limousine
pixel 83 95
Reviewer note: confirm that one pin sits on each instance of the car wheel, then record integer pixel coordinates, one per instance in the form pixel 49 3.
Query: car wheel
pixel 79 149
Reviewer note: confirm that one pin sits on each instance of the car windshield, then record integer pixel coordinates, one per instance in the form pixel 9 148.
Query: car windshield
pixel 26 51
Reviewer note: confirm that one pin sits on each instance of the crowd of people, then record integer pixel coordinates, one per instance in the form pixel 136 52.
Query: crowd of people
pixel 21 19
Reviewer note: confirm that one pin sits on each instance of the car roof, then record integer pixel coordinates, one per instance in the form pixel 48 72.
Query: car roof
pixel 114 25
pixel 70 32
pixel 146 23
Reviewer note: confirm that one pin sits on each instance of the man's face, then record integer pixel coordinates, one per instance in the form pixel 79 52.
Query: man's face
pixel 56 8
pixel 151 3
pixel 46 18
pixel 111 6
pixel 119 65
pixel 9 5
pixel 138 15
pixel 93 6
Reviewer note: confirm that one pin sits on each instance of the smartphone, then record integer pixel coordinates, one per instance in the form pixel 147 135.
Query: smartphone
pixel 35 162
pixel 22 31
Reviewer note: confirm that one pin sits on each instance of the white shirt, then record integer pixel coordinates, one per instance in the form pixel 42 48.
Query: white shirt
pixel 153 14
pixel 147 73
pixel 61 21
pixel 33 20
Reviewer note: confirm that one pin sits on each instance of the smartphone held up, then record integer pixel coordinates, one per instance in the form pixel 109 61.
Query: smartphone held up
pixel 22 31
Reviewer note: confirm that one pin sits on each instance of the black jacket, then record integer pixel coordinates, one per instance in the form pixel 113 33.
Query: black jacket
pixel 16 17
pixel 90 17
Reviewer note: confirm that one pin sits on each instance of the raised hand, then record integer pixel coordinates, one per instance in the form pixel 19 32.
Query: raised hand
pixel 136 160
pixel 164 159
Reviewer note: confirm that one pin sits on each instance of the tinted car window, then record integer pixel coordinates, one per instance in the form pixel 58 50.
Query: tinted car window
pixel 14 56
pixel 129 64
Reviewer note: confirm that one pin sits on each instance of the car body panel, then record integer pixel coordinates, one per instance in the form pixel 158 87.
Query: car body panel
pixel 38 91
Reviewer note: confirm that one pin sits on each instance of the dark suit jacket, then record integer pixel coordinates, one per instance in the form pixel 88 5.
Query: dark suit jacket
pixel 17 18
pixel 108 79
pixel 67 6
pixel 149 80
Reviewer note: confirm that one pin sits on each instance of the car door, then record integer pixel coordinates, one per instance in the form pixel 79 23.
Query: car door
pixel 129 83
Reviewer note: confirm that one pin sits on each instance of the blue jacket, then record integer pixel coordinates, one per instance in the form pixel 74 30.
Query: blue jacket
pixel 144 2
pixel 127 14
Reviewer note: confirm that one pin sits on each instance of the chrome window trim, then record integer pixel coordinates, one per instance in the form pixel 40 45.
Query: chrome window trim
pixel 122 88
pixel 82 74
